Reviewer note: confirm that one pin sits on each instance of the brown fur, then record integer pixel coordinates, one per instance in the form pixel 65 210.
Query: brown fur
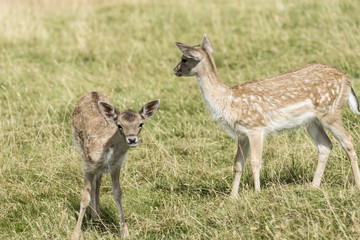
pixel 130 115
pixel 103 136
pixel 312 95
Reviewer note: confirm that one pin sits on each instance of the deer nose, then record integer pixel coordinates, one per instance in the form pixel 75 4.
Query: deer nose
pixel 132 140
pixel 176 70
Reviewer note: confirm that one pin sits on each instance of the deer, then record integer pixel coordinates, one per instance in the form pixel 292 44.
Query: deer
pixel 311 96
pixel 103 136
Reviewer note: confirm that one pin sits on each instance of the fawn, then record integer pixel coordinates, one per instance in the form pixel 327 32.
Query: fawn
pixel 312 95
pixel 103 136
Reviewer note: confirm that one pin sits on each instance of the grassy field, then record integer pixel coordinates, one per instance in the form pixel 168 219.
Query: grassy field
pixel 176 183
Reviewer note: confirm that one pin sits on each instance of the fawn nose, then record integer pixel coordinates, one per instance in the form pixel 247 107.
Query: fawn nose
pixel 176 70
pixel 132 141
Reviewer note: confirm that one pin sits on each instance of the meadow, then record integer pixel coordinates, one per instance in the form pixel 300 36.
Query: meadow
pixel 176 183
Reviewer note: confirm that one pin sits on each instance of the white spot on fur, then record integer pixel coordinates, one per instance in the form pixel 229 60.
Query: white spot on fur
pixel 306 103
pixel 339 96
pixel 322 99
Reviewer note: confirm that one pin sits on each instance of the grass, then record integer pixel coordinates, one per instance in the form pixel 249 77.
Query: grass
pixel 177 181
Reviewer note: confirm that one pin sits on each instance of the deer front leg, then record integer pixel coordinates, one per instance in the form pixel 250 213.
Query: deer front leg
pixel 118 199
pixel 240 160
pixel 256 146
pixel 85 200
pixel 95 196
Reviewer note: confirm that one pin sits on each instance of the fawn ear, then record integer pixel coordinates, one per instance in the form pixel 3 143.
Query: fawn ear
pixel 206 45
pixel 108 111
pixel 149 109
pixel 189 52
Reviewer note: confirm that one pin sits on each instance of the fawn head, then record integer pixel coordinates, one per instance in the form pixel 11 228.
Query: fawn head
pixel 193 58
pixel 129 122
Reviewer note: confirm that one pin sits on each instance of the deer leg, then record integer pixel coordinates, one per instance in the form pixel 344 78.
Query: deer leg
pixel 95 192
pixel 118 199
pixel 240 160
pixel 85 200
pixel 324 146
pixel 339 132
pixel 256 144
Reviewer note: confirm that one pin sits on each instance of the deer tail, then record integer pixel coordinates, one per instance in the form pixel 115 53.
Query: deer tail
pixel 353 102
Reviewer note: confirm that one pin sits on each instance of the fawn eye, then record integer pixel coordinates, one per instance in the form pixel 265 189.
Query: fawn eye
pixel 141 124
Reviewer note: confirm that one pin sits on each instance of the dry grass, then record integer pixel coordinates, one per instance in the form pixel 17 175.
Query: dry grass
pixel 177 181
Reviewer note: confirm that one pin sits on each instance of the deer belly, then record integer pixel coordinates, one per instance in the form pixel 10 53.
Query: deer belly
pixel 289 117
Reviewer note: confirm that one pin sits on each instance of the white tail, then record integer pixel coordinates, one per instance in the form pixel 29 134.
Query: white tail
pixel 103 136
pixel 312 95
pixel 353 102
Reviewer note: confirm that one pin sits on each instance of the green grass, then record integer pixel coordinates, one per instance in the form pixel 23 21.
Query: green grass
pixel 176 183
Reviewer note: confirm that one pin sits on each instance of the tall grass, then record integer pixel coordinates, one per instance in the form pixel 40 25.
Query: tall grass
pixel 177 181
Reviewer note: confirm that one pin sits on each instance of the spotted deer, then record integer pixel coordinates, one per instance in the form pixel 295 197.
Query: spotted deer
pixel 312 95
pixel 103 136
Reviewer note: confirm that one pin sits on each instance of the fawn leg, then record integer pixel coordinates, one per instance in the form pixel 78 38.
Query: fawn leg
pixel 118 199
pixel 85 200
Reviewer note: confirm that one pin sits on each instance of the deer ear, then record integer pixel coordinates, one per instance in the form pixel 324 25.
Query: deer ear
pixel 108 111
pixel 206 45
pixel 149 109
pixel 189 52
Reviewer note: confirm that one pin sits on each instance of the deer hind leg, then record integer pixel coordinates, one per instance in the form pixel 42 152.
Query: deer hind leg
pixel 118 199
pixel 336 128
pixel 95 196
pixel 324 145
pixel 240 160
pixel 256 139
pixel 85 200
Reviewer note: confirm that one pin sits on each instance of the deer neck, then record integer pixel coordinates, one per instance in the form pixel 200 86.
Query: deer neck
pixel 215 93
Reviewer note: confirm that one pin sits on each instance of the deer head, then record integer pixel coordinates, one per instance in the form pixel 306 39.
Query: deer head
pixel 194 58
pixel 129 122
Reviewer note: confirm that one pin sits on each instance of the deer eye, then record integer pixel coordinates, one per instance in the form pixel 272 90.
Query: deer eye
pixel 184 60
pixel 141 124
pixel 120 127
